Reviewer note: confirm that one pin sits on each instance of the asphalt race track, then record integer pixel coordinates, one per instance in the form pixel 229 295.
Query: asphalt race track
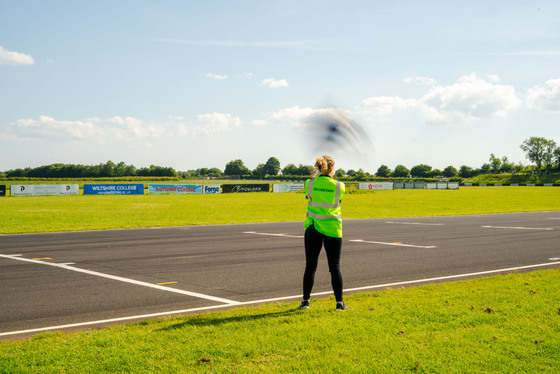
pixel 80 280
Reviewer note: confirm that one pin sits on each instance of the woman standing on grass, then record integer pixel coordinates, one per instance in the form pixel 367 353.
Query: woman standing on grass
pixel 323 225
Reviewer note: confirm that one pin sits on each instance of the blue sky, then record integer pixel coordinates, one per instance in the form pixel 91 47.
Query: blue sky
pixel 193 84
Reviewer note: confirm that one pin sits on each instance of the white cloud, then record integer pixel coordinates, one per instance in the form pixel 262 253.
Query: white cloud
pixel 258 123
pixel 545 97
pixel 273 83
pixel 385 105
pixel 469 98
pixel 420 81
pixel 216 122
pixel 92 129
pixel 216 76
pixel 294 115
pixel 14 58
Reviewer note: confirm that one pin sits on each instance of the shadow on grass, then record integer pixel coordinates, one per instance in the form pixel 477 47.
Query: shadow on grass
pixel 216 321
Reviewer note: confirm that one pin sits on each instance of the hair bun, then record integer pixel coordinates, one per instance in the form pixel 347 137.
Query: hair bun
pixel 325 165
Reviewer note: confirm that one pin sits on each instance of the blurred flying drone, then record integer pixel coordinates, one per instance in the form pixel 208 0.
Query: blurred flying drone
pixel 334 130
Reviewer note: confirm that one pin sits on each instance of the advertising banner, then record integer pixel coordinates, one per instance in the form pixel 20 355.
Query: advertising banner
pixel 44 189
pixel 245 188
pixel 175 188
pixel 376 186
pixel 114 189
pixel 2 190
pixel 442 186
pixel 288 187
pixel 212 188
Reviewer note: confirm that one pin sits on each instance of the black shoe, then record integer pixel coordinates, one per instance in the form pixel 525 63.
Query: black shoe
pixel 341 306
pixel 304 304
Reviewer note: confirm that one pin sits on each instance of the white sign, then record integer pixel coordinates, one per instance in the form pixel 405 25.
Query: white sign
pixel 212 189
pixel 44 189
pixel 288 187
pixel 376 186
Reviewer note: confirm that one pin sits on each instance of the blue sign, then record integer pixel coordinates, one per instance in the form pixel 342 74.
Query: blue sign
pixel 213 188
pixel 175 188
pixel 113 189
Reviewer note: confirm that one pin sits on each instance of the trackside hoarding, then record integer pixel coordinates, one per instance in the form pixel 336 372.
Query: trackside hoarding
pixel 288 187
pixel 245 188
pixel 175 188
pixel 442 186
pixel 2 190
pixel 376 186
pixel 44 189
pixel 114 189
pixel 212 189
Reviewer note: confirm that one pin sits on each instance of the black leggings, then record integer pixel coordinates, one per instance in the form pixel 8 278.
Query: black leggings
pixel 313 243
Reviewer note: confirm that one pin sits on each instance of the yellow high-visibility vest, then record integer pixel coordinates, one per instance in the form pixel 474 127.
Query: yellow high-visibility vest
pixel 323 208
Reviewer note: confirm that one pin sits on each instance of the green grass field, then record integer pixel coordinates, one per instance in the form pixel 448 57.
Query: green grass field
pixel 501 324
pixel 69 213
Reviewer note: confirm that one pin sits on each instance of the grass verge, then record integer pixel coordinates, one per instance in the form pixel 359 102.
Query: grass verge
pixel 70 213
pixel 505 323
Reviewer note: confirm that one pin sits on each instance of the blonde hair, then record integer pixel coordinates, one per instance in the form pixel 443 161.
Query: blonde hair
pixel 324 165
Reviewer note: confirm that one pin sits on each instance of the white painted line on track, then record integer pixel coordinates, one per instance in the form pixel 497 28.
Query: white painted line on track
pixel 519 228
pixel 416 223
pixel 268 234
pixel 126 280
pixel 448 277
pixel 395 244
pixel 183 311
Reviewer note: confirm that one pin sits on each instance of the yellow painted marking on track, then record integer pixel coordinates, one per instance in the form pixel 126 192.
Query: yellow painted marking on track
pixel 161 284
pixel 397 242
pixel 41 258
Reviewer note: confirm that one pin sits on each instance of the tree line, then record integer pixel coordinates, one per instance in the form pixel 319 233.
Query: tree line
pixel 106 170
pixel 544 153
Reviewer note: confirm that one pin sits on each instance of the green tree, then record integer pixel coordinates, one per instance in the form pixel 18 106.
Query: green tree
pixel 214 172
pixel 466 171
pixel 495 164
pixel 236 167
pixel 259 171
pixel 305 170
pixel 383 171
pixel 272 166
pixel 507 166
pixel 108 170
pixel 421 171
pixel 156 171
pixel 290 169
pixel 340 173
pixel 557 157
pixel 539 150
pixel 362 175
pixel 449 172
pixel 401 172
